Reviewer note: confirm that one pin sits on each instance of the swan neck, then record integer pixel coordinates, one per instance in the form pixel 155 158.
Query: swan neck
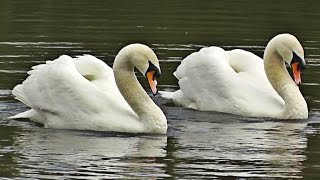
pixel 280 79
pixel 134 94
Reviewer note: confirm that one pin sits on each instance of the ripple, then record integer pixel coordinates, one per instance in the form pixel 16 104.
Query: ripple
pixel 5 92
pixel 39 43
pixel 311 84
pixel 14 56
pixel 13 71
pixel 199 145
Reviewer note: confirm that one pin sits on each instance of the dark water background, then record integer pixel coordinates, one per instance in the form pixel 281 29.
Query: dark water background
pixel 198 144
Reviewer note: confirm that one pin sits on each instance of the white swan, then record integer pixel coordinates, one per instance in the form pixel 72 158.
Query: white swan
pixel 82 93
pixel 237 81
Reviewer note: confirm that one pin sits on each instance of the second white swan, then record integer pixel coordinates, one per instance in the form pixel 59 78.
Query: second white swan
pixel 84 93
pixel 241 83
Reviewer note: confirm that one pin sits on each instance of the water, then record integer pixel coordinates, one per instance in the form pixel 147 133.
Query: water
pixel 198 144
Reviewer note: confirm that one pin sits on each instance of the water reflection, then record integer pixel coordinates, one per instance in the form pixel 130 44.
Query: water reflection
pixel 46 153
pixel 239 147
pixel 311 165
pixel 8 156
pixel 198 144
pixel 235 147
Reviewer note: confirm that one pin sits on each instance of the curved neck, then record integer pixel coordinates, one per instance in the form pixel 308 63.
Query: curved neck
pixel 280 79
pixel 135 95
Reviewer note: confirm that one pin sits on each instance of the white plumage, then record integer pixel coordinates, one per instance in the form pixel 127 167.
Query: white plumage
pixel 235 82
pixel 81 93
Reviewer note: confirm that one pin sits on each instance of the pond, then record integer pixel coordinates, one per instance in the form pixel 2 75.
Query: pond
pixel 198 144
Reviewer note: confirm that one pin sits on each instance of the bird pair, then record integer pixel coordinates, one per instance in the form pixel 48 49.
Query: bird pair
pixel 84 93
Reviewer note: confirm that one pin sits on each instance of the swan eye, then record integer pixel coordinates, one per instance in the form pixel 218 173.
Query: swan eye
pixel 152 67
pixel 299 60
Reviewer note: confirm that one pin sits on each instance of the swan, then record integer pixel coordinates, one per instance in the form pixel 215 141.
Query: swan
pixel 241 83
pixel 84 93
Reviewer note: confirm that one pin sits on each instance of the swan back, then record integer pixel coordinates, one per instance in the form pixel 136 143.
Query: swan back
pixel 250 67
pixel 96 71
pixel 227 81
pixel 92 68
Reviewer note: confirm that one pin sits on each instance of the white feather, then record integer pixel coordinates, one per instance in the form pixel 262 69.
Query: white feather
pixel 234 82
pixel 61 97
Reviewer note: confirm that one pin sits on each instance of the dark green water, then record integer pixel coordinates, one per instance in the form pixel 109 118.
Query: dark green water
pixel 198 144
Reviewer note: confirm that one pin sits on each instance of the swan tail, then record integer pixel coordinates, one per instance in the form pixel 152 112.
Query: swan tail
pixel 178 98
pixel 30 114
pixel 167 94
pixel 22 91
pixel 20 95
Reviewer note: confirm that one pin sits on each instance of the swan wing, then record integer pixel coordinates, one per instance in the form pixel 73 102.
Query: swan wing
pixel 75 93
pixel 97 72
pixel 227 81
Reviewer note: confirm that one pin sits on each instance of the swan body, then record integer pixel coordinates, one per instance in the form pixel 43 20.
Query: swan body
pixel 84 93
pixel 241 83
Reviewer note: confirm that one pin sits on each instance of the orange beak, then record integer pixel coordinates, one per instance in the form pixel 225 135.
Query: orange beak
pixel 296 73
pixel 152 82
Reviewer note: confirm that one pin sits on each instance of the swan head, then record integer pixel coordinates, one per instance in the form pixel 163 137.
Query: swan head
pixel 291 51
pixel 145 60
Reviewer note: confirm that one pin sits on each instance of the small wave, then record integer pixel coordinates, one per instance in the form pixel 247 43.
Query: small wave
pixel 12 71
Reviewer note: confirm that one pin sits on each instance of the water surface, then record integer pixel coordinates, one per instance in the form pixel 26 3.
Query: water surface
pixel 198 144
